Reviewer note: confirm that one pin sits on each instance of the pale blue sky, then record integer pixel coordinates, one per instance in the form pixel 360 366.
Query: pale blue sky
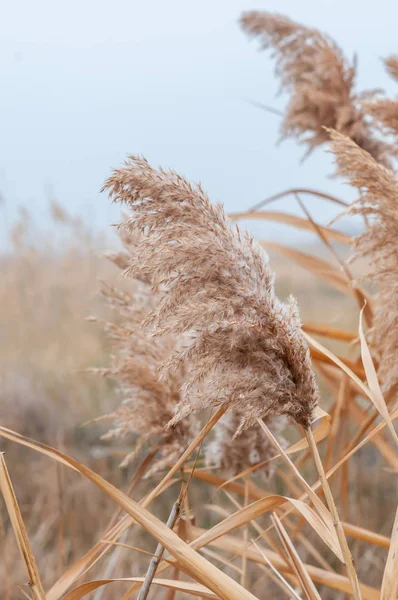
pixel 86 82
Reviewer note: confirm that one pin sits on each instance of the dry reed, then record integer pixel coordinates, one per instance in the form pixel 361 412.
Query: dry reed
pixel 244 348
pixel 146 403
pixel 378 188
pixel 200 325
pixel 391 64
pixel 320 81
pixel 385 115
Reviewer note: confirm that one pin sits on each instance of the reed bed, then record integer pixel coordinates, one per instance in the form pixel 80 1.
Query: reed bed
pixel 235 445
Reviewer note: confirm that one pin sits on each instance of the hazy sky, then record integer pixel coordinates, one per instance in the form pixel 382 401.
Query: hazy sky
pixel 86 82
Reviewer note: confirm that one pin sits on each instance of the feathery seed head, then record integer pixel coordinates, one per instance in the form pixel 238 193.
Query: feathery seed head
pixel 320 80
pixel 384 113
pixel 391 64
pixel 378 187
pixel 147 404
pixel 244 348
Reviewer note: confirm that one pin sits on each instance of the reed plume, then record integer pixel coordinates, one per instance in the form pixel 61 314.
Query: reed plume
pixel 320 81
pixel 384 112
pixel 232 455
pixel 391 64
pixel 244 348
pixel 378 200
pixel 146 403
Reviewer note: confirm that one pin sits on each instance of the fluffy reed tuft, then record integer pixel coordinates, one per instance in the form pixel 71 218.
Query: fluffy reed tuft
pixel 391 64
pixel 384 112
pixel 378 202
pixel 147 404
pixel 245 349
pixel 233 454
pixel 320 80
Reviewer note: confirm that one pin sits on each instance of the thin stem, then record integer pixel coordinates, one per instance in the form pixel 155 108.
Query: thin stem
pixel 311 494
pixel 349 563
pixel 297 566
pixel 18 525
pixel 341 398
pixel 298 191
pixel 245 535
pixel 157 557
pixel 259 530
pixel 138 475
pixel 180 463
pixel 111 565
pixel 185 455
pixel 174 514
pixel 277 576
pixel 270 109
pixel 359 295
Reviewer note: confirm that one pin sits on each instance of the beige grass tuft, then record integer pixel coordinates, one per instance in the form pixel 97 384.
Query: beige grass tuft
pixel 385 115
pixel 146 403
pixel 320 81
pixel 378 243
pixel 391 64
pixel 245 349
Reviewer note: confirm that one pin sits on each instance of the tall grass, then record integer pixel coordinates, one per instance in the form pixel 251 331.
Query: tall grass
pixel 257 447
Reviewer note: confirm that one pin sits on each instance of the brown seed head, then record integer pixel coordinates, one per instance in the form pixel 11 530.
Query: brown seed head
pixel 385 115
pixel 244 349
pixel 391 64
pixel 320 81
pixel 378 202
pixel 147 404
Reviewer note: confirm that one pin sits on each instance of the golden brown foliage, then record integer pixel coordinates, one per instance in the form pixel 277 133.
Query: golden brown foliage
pixel 206 292
pixel 245 347
pixel 379 243
pixel 320 81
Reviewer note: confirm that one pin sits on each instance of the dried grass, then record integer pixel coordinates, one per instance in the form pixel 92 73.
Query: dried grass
pixel 385 114
pixel 391 64
pixel 245 348
pixel 378 243
pixel 146 403
pixel 200 325
pixel 320 81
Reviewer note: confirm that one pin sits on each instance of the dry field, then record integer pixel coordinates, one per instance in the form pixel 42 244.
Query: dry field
pixel 192 410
